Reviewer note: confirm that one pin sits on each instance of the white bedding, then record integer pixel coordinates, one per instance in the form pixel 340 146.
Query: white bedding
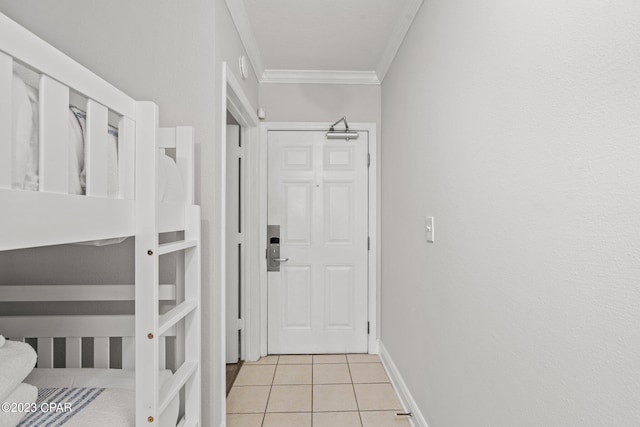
pixel 21 396
pixel 17 359
pixel 114 406
pixel 26 149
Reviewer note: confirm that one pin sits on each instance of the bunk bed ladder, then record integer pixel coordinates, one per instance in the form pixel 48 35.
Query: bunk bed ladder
pixel 184 318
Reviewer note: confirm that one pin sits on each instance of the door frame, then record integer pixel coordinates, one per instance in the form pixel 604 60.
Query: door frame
pixel 234 99
pixel 258 298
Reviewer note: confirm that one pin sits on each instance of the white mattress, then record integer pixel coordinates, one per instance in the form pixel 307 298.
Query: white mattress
pixel 121 385
pixel 26 149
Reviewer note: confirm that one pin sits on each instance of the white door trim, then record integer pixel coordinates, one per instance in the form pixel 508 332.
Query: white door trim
pixel 259 297
pixel 237 103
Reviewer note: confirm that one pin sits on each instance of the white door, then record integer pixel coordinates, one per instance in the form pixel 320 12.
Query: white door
pixel 233 245
pixel 318 194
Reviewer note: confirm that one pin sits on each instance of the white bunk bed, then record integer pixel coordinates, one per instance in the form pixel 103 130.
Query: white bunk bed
pixel 53 215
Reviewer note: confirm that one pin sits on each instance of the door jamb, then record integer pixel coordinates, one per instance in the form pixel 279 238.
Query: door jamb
pixel 259 296
pixel 237 103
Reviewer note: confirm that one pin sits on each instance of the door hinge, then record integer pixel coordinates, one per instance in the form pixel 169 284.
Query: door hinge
pixel 368 325
pixel 368 159
pixel 240 324
pixel 368 243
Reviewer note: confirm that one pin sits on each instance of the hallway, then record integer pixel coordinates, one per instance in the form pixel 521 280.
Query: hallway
pixel 321 391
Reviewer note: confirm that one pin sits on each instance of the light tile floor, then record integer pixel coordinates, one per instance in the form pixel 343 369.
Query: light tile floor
pixel 333 390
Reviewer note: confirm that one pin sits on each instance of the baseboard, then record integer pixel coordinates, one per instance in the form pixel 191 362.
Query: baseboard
pixel 374 347
pixel 408 403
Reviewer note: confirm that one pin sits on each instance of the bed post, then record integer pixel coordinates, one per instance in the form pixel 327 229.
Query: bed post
pixel 192 279
pixel 146 266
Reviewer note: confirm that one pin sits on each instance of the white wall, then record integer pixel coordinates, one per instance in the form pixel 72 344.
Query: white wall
pixel 517 125
pixel 168 52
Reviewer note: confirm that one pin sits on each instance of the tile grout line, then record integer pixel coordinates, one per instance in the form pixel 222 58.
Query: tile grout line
pixel 264 415
pixel 353 387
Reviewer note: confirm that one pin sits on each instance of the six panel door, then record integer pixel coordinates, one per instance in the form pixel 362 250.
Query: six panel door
pixel 318 194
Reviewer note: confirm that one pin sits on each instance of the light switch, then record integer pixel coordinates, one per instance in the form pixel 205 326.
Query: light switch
pixel 428 229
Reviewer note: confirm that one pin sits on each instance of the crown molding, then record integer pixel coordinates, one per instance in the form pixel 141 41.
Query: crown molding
pixel 320 77
pixel 241 21
pixel 397 37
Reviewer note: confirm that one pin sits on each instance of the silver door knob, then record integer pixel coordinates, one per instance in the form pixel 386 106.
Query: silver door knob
pixel 281 259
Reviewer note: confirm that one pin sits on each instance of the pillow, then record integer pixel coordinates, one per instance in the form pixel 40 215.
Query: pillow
pixel 26 144
pixel 22 130
pixel 170 185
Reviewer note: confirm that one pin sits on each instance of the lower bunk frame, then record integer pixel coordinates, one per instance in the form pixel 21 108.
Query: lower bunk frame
pixel 144 333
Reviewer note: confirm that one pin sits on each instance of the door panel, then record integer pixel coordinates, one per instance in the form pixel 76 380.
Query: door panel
pixel 338 214
pixel 318 194
pixel 338 283
pixel 297 212
pixel 297 288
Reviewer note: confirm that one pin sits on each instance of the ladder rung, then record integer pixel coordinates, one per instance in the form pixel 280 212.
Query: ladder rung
pixel 184 423
pixel 167 248
pixel 173 385
pixel 176 314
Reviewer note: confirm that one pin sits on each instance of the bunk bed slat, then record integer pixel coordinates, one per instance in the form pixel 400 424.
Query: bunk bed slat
pixel 96 149
pixel 68 326
pixel 54 136
pixel 184 423
pixel 126 158
pixel 176 314
pixel 167 248
pixel 173 385
pixel 180 279
pixel 6 121
pixel 192 323
pixel 111 325
pixel 101 352
pixel 45 352
pixel 80 292
pixel 73 352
